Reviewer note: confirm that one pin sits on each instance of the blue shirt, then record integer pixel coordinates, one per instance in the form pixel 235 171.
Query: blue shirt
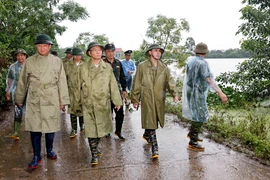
pixel 128 65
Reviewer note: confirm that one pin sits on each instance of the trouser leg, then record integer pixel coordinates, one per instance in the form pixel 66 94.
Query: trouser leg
pixel 18 111
pixel 73 121
pixel 81 121
pixel 146 136
pixel 119 119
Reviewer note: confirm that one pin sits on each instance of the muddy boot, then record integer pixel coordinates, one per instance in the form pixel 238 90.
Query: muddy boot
pixel 36 145
pixel 93 143
pixel 197 138
pixel 17 128
pixel 194 133
pixel 154 143
pixel 73 121
pixel 49 146
pixel 146 137
pixel 81 122
pixel 118 130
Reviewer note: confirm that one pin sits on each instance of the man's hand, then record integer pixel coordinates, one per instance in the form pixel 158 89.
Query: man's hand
pixel 136 105
pixel 20 105
pixel 117 108
pixel 176 99
pixel 223 98
pixel 62 106
pixel 124 94
pixel 8 96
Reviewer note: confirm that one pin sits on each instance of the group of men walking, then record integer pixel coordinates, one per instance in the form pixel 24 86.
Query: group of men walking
pixel 44 84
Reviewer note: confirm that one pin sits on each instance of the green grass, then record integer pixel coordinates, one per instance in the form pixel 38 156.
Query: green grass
pixel 247 129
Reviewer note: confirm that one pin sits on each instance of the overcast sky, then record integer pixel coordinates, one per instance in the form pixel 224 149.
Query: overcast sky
pixel 213 22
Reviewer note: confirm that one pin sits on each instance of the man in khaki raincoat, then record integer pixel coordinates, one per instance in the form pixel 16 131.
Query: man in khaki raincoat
pixel 72 70
pixel 99 88
pixel 43 83
pixel 151 80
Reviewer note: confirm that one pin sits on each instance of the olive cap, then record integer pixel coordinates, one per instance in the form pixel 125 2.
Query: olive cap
pixel 43 39
pixel 154 46
pixel 201 48
pixel 68 51
pixel 77 51
pixel 20 51
pixel 92 44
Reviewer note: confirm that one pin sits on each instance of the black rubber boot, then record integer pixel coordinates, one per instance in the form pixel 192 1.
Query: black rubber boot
pixel 36 145
pixel 146 136
pixel 197 138
pixel 194 133
pixel 81 122
pixel 49 146
pixel 153 138
pixel 93 143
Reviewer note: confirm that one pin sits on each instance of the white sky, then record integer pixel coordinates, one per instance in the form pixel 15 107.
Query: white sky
pixel 124 22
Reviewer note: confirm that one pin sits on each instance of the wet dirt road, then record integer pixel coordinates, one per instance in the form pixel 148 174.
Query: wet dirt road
pixel 126 160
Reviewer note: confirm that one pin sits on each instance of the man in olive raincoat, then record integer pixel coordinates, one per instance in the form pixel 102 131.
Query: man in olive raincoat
pixel 72 70
pixel 198 80
pixel 151 80
pixel 11 82
pixel 43 83
pixel 99 88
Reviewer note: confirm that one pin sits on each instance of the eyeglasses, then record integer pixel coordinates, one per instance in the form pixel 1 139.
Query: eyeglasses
pixel 96 50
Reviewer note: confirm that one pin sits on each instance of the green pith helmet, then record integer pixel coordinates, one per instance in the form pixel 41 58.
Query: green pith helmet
pixel 154 46
pixel 21 51
pixel 92 44
pixel 43 39
pixel 201 48
pixel 68 51
pixel 77 51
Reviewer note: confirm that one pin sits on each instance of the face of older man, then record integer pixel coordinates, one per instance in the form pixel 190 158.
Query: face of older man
pixel 43 49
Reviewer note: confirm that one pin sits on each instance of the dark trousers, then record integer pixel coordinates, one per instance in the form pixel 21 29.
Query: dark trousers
pixel 119 118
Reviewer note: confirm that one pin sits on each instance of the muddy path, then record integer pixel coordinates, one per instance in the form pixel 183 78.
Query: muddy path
pixel 130 159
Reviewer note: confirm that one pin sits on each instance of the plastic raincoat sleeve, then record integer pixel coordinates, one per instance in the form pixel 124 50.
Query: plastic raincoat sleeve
pixel 21 89
pixel 136 87
pixel 62 87
pixel 171 86
pixel 10 80
pixel 209 78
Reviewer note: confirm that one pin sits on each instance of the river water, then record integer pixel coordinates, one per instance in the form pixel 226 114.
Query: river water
pixel 217 66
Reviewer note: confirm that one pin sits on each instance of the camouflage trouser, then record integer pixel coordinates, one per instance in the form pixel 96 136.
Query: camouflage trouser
pixel 18 113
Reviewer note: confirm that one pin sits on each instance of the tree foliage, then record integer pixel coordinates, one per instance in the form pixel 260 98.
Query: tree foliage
pixel 229 53
pixel 21 21
pixel 167 32
pixel 252 79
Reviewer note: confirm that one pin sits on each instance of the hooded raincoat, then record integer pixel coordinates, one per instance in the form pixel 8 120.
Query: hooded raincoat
pixel 99 88
pixel 195 89
pixel 43 83
pixel 149 87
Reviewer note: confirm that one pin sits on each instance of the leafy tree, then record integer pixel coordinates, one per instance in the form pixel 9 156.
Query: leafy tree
pixel 86 37
pixel 252 77
pixel 190 44
pixel 21 21
pixel 167 33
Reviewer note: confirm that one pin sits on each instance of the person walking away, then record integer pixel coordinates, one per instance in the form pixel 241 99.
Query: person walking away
pixel 151 81
pixel 43 83
pixel 198 80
